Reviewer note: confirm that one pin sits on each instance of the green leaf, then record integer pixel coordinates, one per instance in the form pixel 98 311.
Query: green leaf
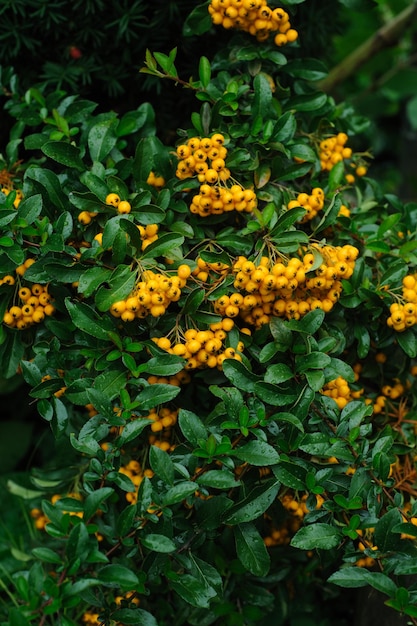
pixel 96 185
pixel 64 153
pixel 251 549
pixel 119 286
pixel 309 324
pixel 102 139
pixel 77 543
pixel 316 536
pixel 290 475
pixel 193 301
pixel 192 590
pixel 132 121
pixel 136 617
pixel 86 445
pixel 51 185
pixel 353 577
pixel 95 499
pixel 278 373
pixel 254 504
pixel 158 543
pixel 385 537
pixel 408 342
pixel 91 279
pixel 289 418
pixel 308 69
pixel 161 464
pixel 191 426
pixel 316 444
pixel 30 208
pixel 115 575
pixel 276 395
pixel 394 274
pixel 308 102
pixel 156 394
pixel 150 155
pixel 239 375
pixel 262 96
pixel 313 360
pixel 47 555
pixel 204 71
pixel 87 320
pixel 16 618
pixel 206 573
pixel 257 453
pixel 133 429
pixel 198 21
pixel 218 479
pixel 285 128
pixel 162 246
pixel 179 492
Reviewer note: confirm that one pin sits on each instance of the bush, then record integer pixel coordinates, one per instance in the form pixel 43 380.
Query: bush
pixel 221 337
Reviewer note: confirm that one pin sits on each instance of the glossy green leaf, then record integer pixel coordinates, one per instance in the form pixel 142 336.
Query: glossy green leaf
pixel 316 536
pixel 156 394
pixel 161 464
pixel 158 543
pixel 257 452
pixel 115 575
pixel 102 139
pixel 135 617
pixel 86 319
pixel 191 426
pixel 239 375
pixel 64 153
pixel 254 504
pixel 251 549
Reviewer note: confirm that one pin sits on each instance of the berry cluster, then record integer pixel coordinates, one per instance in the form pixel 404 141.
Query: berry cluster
pixel 333 150
pixel 148 234
pixel 123 206
pixel 340 391
pixel 365 542
pixel 311 203
pixel 18 198
pixel 203 348
pixel 86 217
pixel 203 157
pixel 41 520
pixel 90 618
pixel 404 313
pixel 392 391
pixel 34 303
pixel 287 288
pixel 136 473
pixel 215 200
pixel 151 295
pixel 162 418
pixel 181 378
pixel 254 17
pixel 155 181
pixel 296 509
pixel 209 273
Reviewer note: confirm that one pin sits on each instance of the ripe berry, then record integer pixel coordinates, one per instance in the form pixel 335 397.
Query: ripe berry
pixel 113 199
pixel 124 207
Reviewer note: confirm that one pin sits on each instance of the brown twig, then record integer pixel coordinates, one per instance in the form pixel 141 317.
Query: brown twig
pixel 386 36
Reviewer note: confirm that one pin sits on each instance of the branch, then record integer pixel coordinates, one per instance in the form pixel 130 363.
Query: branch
pixel 386 36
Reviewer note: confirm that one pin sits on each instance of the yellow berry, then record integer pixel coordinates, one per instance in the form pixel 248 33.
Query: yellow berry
pixel 112 199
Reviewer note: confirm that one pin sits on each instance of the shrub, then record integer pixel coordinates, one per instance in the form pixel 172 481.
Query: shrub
pixel 221 336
